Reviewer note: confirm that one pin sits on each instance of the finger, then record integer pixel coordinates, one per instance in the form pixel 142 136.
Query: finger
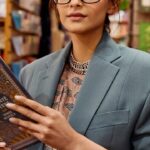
pixel 36 135
pixel 43 110
pixel 26 130
pixel 31 132
pixel 27 125
pixel 5 148
pixel 2 144
pixel 26 112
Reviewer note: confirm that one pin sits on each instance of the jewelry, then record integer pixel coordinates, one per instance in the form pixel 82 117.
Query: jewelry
pixel 78 67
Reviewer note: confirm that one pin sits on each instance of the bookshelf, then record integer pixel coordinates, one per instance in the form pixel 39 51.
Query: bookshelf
pixel 140 25
pixel 119 27
pixel 22 30
pixel 7 49
pixel 119 23
pixel 17 6
pixel 2 20
pixel 25 32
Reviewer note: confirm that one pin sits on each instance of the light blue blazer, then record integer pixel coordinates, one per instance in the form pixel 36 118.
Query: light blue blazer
pixel 113 106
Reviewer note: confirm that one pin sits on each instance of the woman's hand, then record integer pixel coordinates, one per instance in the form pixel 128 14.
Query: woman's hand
pixel 49 125
pixel 3 146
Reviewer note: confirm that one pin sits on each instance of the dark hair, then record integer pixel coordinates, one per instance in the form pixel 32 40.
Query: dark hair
pixel 107 21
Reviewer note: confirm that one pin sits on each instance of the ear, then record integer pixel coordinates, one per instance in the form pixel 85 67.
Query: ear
pixel 112 8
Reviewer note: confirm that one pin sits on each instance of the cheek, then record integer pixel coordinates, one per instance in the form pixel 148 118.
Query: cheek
pixel 62 16
pixel 98 12
pixel 61 12
pixel 97 17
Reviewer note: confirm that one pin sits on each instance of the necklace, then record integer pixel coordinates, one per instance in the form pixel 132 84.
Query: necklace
pixel 78 67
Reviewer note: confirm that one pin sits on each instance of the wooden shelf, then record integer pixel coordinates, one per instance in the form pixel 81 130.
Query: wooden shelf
pixel 9 54
pixel 120 22
pixel 1 49
pixel 17 58
pixel 2 20
pixel 17 6
pixel 25 32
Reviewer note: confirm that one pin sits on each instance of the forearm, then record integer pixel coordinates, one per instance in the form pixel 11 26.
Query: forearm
pixel 82 143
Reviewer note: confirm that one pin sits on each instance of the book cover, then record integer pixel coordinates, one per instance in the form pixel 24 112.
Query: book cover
pixel 9 87
pixel 17 42
pixel 16 17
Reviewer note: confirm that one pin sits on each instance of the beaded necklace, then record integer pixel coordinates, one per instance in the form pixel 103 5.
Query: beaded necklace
pixel 78 67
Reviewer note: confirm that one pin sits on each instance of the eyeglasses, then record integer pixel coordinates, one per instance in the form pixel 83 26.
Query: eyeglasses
pixel 68 1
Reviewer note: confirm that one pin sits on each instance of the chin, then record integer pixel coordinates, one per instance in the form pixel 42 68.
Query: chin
pixel 76 27
pixel 77 30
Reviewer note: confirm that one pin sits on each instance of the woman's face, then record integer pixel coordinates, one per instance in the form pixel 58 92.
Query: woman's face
pixel 80 17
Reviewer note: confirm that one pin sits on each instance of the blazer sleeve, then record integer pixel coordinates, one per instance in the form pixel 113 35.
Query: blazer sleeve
pixel 26 76
pixel 141 137
pixel 21 78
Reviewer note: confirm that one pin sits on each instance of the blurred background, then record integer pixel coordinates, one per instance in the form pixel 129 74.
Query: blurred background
pixel 30 30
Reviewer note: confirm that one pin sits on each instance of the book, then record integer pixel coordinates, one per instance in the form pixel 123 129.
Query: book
pixel 25 45
pixel 16 17
pixel 2 38
pixel 17 42
pixel 9 133
pixel 2 8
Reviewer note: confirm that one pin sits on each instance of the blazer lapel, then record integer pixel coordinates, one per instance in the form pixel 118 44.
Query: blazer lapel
pixel 48 78
pixel 97 82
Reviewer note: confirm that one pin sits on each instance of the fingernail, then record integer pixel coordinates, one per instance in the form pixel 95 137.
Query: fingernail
pixel 17 96
pixel 20 128
pixel 9 104
pixel 11 119
pixel 2 144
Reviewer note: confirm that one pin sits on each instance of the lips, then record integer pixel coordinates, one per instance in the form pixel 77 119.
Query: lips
pixel 76 16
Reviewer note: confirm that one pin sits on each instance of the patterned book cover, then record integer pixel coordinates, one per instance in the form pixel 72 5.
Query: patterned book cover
pixel 9 87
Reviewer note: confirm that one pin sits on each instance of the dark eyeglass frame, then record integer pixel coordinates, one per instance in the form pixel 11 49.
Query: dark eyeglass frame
pixel 84 1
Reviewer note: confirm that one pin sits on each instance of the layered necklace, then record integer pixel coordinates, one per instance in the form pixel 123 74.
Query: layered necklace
pixel 78 67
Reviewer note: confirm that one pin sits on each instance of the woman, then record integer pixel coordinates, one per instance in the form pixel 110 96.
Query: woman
pixel 99 90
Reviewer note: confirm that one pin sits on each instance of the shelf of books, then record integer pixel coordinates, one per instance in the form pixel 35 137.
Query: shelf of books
pixel 22 32
pixel 119 23
pixel 143 25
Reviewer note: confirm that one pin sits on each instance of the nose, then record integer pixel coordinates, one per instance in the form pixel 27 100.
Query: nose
pixel 75 2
